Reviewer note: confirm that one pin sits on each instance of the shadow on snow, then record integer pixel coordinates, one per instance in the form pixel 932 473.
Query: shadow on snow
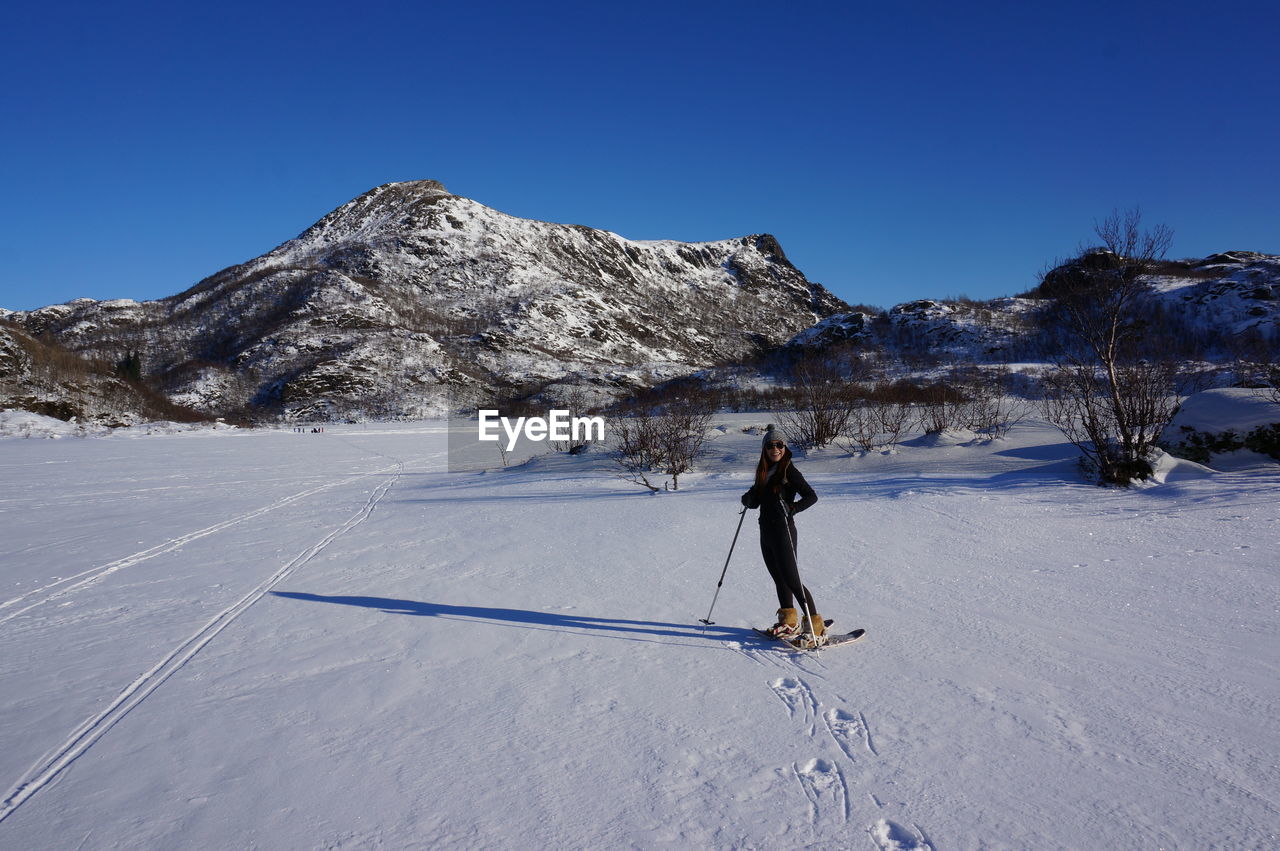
pixel 524 617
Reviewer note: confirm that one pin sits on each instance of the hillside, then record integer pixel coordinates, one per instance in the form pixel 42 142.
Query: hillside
pixel 409 299
pixel 40 376
pixel 1198 309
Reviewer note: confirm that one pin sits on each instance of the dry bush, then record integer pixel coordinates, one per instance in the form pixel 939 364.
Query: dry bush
pixel 1255 359
pixel 818 406
pixel 656 446
pixel 1086 405
pixel 863 430
pixel 574 401
pixel 988 408
pixel 754 399
pixel 942 409
pixel 894 418
pixel 688 390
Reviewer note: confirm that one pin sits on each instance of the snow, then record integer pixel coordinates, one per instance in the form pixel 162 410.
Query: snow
pixel 949 437
pixel 1238 409
pixel 25 424
pixel 1234 410
pixel 231 638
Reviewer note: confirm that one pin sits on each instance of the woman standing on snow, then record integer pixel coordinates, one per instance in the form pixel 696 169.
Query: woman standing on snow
pixel 777 484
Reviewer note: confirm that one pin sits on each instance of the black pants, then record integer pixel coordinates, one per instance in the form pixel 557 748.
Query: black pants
pixel 778 545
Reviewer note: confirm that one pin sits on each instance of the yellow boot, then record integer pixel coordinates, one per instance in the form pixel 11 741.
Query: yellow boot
pixel 815 626
pixel 787 625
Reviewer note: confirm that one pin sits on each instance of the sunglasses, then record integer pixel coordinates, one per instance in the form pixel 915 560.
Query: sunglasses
pixel 777 444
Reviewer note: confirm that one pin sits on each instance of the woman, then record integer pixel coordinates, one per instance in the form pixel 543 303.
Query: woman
pixel 777 484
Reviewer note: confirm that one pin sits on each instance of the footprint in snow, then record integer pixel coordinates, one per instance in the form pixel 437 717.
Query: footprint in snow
pixel 824 786
pixel 797 696
pixel 849 730
pixel 891 836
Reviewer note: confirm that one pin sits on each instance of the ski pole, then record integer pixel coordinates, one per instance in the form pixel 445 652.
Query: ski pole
pixel 805 598
pixel 742 515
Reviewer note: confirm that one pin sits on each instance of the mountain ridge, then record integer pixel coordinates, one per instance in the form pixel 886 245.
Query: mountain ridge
pixel 408 299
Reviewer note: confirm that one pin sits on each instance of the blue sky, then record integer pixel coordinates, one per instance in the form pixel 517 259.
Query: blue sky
pixel 897 151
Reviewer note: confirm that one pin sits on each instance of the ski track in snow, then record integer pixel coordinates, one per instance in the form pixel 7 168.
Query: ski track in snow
pixel 60 588
pixel 84 736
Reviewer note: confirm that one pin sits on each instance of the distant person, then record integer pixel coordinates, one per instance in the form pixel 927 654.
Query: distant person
pixel 777 484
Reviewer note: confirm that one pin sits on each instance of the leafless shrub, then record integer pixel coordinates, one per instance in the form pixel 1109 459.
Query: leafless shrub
pixel 1108 401
pixel 996 415
pixel 819 404
pixel 895 419
pixel 755 399
pixel 988 407
pixel 942 409
pixel 689 390
pixel 863 430
pixel 1086 403
pixel 574 401
pixel 1256 361
pixel 655 447
pixel 880 417
pixel 635 440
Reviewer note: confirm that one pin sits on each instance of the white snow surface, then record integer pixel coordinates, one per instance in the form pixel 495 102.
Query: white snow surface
pixel 265 639
pixel 1238 409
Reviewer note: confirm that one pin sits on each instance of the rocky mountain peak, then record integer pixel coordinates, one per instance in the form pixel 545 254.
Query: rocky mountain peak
pixel 407 298
pixel 389 207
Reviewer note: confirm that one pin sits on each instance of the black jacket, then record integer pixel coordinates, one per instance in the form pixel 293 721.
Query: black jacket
pixel 777 509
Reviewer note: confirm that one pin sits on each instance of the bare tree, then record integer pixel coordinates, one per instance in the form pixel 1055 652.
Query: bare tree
pixel 1104 397
pixel 575 401
pixel 863 430
pixel 684 430
pixel 658 447
pixel 895 418
pixel 1079 401
pixel 636 441
pixel 818 405
pixel 988 406
pixel 879 418
pixel 942 407
pixel 1256 361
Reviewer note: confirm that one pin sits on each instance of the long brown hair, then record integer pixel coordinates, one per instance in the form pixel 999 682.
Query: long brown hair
pixel 762 469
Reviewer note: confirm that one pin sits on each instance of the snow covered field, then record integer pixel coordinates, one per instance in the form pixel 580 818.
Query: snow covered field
pixel 277 640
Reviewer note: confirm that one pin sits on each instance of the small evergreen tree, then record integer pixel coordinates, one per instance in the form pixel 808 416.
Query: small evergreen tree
pixel 130 367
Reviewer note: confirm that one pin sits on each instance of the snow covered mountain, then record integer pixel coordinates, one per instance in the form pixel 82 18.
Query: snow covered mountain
pixel 44 378
pixel 1194 309
pixel 408 298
